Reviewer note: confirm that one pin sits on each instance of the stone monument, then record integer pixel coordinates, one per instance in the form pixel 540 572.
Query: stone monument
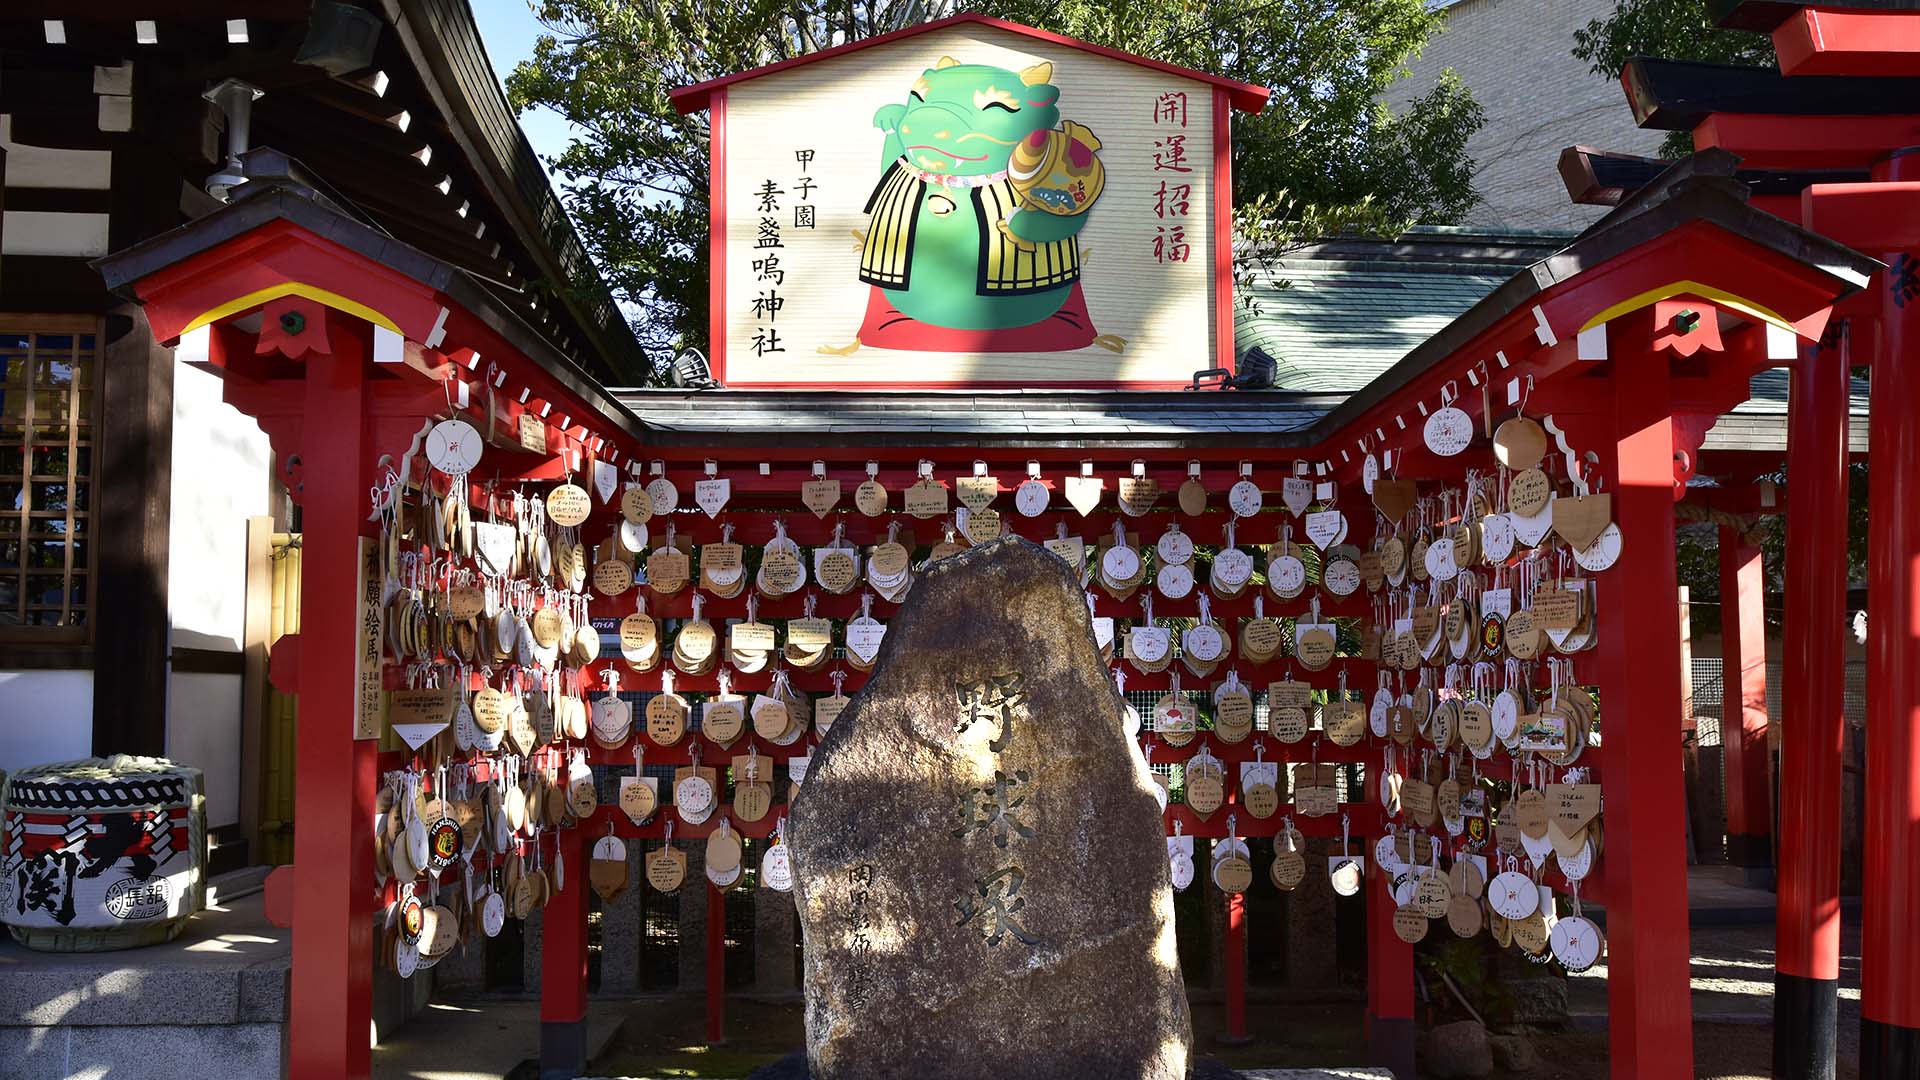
pixel 979 859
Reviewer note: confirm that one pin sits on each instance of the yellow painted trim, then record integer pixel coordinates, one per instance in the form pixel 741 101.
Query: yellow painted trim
pixel 1688 286
pixel 290 288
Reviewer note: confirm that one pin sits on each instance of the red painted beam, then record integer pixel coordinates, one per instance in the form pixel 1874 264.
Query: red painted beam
pixel 333 906
pixel 1882 216
pixel 1743 724
pixel 716 965
pixel 563 960
pixel 1805 142
pixel 1813 41
pixel 1236 950
pixel 1389 1017
pixel 1645 874
pixel 1890 887
pixel 1807 928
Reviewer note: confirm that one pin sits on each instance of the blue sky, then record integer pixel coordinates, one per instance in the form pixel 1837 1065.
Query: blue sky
pixel 507 28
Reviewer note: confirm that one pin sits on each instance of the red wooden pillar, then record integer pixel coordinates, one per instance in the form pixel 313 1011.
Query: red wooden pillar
pixel 1890 927
pixel 1389 1022
pixel 716 965
pixel 1743 704
pixel 1648 1006
pixel 1807 926
pixel 333 898
pixel 1236 945
pixel 563 966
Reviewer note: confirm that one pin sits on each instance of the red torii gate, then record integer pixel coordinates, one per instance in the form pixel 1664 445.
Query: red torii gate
pixel 1844 103
pixel 342 341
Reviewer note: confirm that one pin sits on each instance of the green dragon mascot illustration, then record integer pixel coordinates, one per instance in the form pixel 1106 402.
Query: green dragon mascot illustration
pixel 972 241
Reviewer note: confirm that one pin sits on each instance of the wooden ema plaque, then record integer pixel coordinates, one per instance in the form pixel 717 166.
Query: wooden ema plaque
pixel 1027 151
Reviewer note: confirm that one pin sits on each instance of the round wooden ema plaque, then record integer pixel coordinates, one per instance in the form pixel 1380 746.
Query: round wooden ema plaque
pixel 838 569
pixel 871 498
pixel 1531 933
pixel 1315 648
pixel 1259 639
pixel 1410 923
pixel 723 720
pixel 526 896
pixel 1345 721
pixel 1345 873
pixel 638 800
pixel 1433 896
pixel 568 505
pixel 1519 443
pixel 664 497
pixel 1289 724
pixel 440 933
pixel 412 917
pixel 1205 792
pixel 612 577
pixel 776 868
pixel 1501 928
pixel 1528 492
pixel 693 797
pixel 1193 498
pixel 1289 869
pixel 752 801
pixel 1464 916
pixel 1232 874
pixel 1261 800
pixel 1465 880
pixel 666 869
pixel 1576 942
pixel 1182 870
pixel 1513 895
pixel 583 798
pixel 723 851
pixel 667 719
pixel 1233 716
pixel 636 506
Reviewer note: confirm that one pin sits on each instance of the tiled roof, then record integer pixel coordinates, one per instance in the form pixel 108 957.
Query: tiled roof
pixel 1003 417
pixel 1332 330
pixel 1349 311
pixel 1339 313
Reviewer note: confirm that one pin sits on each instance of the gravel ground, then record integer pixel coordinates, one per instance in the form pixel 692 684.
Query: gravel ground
pixel 1732 1007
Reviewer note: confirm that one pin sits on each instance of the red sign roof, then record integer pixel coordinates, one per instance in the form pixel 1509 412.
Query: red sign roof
pixel 1244 96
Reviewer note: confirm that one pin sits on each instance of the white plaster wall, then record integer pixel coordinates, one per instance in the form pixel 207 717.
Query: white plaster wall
pixel 221 476
pixel 203 730
pixel 45 716
pixel 222 472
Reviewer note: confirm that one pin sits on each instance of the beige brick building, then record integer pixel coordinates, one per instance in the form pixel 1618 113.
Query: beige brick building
pixel 1517 57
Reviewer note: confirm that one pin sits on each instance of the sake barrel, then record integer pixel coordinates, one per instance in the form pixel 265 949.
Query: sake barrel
pixel 102 853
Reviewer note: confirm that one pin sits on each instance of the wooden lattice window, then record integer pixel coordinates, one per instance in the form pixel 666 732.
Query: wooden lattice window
pixel 47 412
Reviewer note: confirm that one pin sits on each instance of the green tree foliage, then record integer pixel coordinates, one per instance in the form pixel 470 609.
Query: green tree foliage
pixel 1674 29
pixel 1326 156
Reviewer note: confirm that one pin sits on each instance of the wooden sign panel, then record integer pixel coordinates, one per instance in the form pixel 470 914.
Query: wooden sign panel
pixel 967 206
pixel 370 638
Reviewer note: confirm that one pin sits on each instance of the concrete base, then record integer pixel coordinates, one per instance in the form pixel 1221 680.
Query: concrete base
pixel 1390 1044
pixel 212 1002
pixel 563 1049
pixel 149 1051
